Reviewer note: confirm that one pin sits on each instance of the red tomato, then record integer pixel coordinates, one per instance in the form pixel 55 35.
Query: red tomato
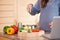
pixel 35 30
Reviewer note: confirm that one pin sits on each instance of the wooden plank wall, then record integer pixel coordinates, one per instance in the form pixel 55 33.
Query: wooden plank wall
pixel 14 11
pixel 23 15
pixel 8 12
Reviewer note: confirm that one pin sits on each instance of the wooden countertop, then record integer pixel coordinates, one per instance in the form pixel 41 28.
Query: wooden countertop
pixel 16 37
pixel 8 37
pixel 4 38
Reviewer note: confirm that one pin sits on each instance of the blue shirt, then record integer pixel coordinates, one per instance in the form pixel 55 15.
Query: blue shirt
pixel 47 13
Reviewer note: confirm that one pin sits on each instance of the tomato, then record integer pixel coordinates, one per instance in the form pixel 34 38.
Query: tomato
pixel 35 30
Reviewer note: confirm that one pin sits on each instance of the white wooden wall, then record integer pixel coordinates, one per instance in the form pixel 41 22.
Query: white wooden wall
pixel 23 15
pixel 8 12
pixel 14 11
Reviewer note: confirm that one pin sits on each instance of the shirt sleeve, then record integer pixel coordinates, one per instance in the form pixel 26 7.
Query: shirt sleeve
pixel 36 8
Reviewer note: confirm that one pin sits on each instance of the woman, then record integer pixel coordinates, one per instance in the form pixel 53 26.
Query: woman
pixel 48 9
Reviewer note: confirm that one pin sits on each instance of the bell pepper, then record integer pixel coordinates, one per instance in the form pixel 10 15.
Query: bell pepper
pixel 10 31
pixel 15 28
pixel 5 29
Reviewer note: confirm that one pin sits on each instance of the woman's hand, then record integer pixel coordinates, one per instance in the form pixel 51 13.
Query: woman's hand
pixel 29 7
pixel 51 24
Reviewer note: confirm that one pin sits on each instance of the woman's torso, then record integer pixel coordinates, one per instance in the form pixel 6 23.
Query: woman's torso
pixel 48 13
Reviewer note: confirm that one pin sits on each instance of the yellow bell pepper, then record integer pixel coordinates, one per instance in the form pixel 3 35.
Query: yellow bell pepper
pixel 10 31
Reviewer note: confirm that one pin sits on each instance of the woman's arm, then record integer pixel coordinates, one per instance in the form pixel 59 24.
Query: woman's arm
pixel 36 8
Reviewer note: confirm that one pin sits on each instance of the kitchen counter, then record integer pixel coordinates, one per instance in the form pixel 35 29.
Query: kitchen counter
pixel 17 37
pixel 8 37
pixel 4 38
